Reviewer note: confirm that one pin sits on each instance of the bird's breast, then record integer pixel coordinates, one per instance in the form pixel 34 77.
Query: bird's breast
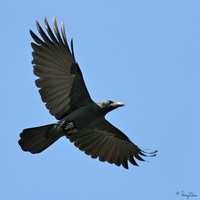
pixel 81 117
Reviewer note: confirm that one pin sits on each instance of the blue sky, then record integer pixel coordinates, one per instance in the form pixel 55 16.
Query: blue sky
pixel 144 53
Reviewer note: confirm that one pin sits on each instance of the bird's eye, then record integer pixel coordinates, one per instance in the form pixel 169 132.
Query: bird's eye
pixel 109 102
pixel 106 103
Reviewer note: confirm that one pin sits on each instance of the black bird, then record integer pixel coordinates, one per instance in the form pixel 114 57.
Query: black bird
pixel 81 120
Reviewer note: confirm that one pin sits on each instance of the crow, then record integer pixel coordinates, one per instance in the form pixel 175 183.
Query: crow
pixel 80 119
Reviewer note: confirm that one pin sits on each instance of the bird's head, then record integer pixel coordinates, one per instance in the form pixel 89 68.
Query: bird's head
pixel 108 105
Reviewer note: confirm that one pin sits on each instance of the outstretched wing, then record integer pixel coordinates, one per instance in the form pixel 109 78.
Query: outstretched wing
pixel 60 78
pixel 105 141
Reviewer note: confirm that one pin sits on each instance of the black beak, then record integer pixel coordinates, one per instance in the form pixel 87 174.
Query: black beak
pixel 117 104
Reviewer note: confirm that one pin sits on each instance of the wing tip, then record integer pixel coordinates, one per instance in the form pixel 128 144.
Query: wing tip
pixel 72 48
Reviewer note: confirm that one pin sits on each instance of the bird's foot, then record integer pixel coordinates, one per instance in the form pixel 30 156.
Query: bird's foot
pixel 70 128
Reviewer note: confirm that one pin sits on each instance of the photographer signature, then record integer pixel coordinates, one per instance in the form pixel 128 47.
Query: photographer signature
pixel 190 194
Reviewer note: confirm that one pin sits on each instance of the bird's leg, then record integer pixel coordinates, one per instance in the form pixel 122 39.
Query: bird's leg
pixel 69 128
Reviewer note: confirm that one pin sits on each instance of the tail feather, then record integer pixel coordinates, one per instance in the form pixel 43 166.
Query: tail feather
pixel 36 139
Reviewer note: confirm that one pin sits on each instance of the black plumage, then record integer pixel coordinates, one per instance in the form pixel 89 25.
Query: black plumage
pixel 81 120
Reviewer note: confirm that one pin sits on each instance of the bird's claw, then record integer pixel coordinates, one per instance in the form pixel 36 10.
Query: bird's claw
pixel 70 128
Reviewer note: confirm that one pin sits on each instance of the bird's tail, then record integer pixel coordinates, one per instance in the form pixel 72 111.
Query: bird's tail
pixel 37 139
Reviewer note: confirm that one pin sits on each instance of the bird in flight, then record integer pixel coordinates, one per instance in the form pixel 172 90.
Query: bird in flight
pixel 80 119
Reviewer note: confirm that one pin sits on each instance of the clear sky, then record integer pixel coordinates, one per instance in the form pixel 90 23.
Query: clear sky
pixel 145 53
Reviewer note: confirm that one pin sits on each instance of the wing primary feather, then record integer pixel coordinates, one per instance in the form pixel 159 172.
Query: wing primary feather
pixel 132 161
pixel 153 153
pixel 64 35
pixel 36 38
pixel 56 30
pixel 49 31
pixel 142 153
pixel 62 44
pixel 72 47
pixel 42 33
pixel 138 157
pixel 125 163
pixel 150 154
pixel 56 44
